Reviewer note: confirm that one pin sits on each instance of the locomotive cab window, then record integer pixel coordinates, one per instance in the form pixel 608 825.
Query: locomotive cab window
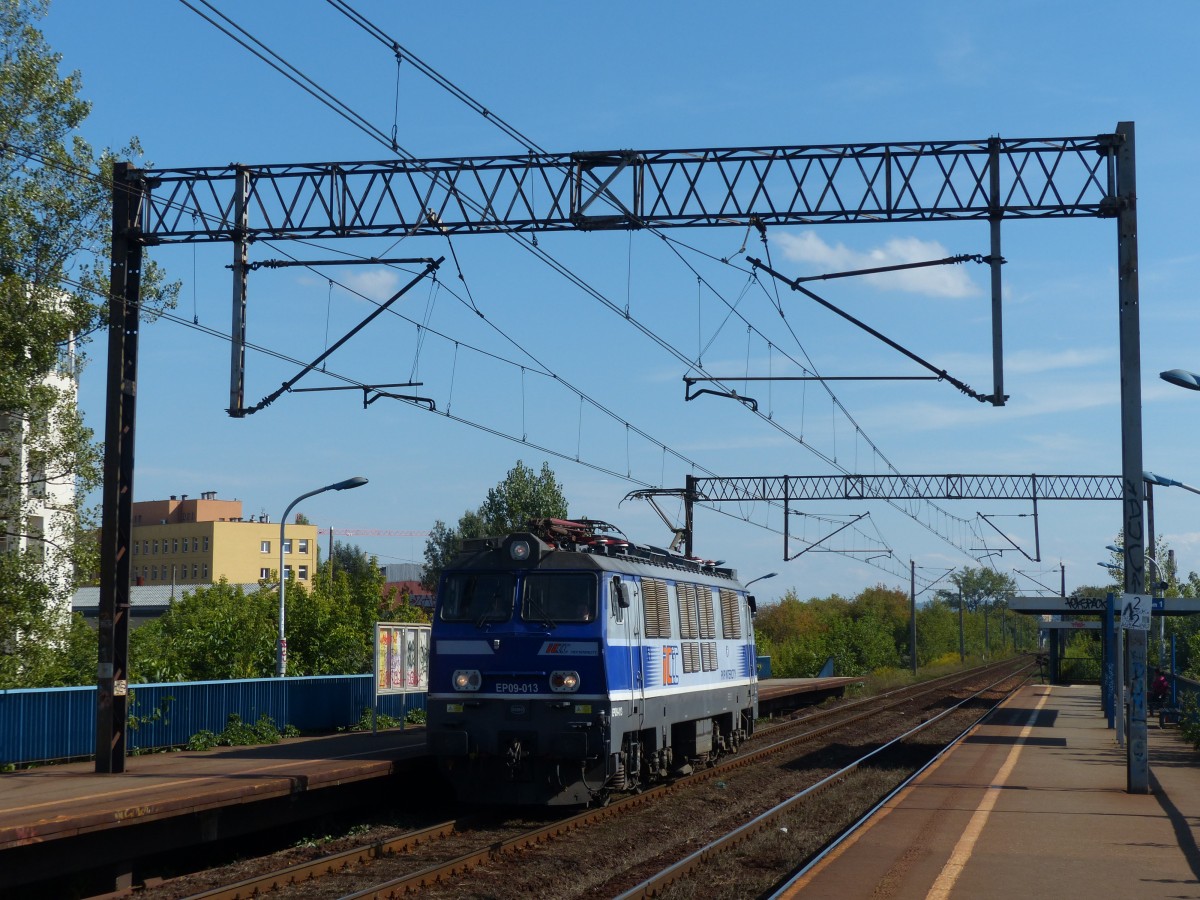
pixel 559 597
pixel 478 597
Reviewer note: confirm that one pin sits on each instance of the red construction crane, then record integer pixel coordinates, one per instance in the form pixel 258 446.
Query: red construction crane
pixel 373 532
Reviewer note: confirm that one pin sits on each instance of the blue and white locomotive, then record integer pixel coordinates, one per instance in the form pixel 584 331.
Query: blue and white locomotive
pixel 567 664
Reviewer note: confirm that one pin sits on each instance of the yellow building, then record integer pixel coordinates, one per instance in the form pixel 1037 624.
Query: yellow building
pixel 199 541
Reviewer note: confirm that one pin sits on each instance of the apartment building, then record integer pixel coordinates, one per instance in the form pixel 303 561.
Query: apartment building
pixel 38 508
pixel 186 540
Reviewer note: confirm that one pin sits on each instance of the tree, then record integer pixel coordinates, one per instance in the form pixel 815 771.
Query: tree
pixel 981 589
pixel 212 632
pixel 55 211
pixel 221 632
pixel 888 606
pixel 937 631
pixel 352 560
pixel 520 496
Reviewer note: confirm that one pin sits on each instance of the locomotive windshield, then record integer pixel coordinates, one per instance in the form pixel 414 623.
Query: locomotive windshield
pixel 559 597
pixel 477 597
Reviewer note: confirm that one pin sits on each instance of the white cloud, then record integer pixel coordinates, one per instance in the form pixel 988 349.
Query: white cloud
pixel 1186 545
pixel 966 414
pixel 375 284
pixel 939 281
pixel 1031 361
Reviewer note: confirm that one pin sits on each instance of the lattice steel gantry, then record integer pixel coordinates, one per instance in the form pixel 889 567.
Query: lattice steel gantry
pixel 991 180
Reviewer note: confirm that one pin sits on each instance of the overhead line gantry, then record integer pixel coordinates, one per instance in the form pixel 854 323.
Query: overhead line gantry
pixel 990 179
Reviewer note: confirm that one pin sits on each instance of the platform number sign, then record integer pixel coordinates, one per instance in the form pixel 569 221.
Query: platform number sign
pixel 1135 611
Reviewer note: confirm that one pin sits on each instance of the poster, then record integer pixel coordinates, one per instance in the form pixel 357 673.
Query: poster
pixel 401 657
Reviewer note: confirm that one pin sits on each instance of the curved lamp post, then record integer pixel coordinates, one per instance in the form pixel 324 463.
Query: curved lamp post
pixel 281 648
pixel 760 578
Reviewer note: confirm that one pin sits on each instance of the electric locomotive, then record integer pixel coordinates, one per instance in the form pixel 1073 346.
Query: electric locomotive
pixel 568 663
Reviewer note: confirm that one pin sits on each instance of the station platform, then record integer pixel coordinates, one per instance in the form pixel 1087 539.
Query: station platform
pixel 779 695
pixel 68 817
pixel 1031 804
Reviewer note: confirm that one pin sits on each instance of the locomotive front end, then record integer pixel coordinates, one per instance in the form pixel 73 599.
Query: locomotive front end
pixel 517 709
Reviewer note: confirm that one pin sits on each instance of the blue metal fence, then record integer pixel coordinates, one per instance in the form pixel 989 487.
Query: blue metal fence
pixel 43 724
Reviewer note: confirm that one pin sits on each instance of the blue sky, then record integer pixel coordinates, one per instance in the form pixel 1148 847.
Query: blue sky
pixel 669 75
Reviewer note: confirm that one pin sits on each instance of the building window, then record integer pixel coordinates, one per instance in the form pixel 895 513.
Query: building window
pixel 206 543
pixel 303 570
pixel 196 545
pixel 264 574
pixel 155 546
pixel 135 548
pixel 174 546
pixel 154 573
pixel 287 572
pixel 303 544
pixel 265 546
pixel 194 575
pixel 185 543
pixel 287 545
pixel 204 571
pixel 146 547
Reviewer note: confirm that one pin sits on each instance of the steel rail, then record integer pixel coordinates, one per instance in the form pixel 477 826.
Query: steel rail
pixel 690 863
pixel 436 873
pixel 862 820
pixel 327 865
pixel 906 693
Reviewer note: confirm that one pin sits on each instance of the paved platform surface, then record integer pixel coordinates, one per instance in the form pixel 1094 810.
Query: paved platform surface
pixel 55 802
pixel 777 694
pixel 1031 805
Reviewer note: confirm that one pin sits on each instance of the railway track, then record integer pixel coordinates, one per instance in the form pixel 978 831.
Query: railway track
pixel 693 866
pixel 370 871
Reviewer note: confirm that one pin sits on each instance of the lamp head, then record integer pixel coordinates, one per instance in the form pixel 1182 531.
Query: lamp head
pixel 1181 378
pixel 356 481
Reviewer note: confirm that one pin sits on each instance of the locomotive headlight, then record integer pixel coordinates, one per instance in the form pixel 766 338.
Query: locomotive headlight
pixel 466 679
pixel 564 682
pixel 519 550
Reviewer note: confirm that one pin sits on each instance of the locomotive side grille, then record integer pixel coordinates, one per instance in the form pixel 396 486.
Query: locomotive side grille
pixel 689 619
pixel 731 621
pixel 691 656
pixel 707 624
pixel 657 611
pixel 708 652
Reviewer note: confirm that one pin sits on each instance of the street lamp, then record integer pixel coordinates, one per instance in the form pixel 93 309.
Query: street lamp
pixel 760 578
pixel 281 649
pixel 1164 481
pixel 1181 377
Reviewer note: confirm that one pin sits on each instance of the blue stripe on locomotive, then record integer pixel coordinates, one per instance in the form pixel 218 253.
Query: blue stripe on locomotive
pixel 524 652
pixel 749 661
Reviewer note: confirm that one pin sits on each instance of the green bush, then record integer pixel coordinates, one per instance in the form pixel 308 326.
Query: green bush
pixel 370 719
pixel 1189 719
pixel 242 734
